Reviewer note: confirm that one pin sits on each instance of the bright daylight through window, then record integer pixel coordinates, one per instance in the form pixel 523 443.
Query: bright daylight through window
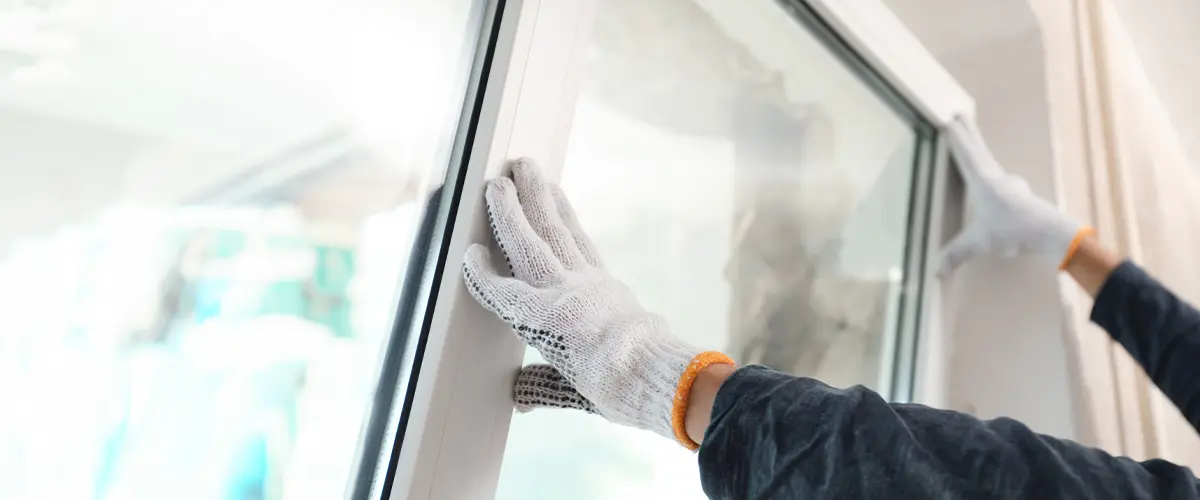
pixel 209 206
pixel 748 185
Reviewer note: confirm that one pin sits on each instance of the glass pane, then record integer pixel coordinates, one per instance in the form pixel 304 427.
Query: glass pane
pixel 747 185
pixel 209 206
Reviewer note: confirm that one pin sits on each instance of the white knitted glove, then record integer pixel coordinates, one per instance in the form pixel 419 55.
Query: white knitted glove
pixel 1008 219
pixel 561 300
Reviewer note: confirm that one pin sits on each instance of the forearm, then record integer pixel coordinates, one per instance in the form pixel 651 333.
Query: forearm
pixel 773 435
pixel 1160 331
pixel 703 396
pixel 1091 265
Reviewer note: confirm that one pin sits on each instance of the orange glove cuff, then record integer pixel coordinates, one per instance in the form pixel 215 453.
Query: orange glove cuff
pixel 1083 232
pixel 683 393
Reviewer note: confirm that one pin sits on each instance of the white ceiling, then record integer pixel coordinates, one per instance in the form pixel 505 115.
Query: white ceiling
pixel 941 27
pixel 101 98
pixel 164 73
pixel 227 74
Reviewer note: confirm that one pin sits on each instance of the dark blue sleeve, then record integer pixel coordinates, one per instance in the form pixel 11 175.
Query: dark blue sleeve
pixel 1158 329
pixel 773 435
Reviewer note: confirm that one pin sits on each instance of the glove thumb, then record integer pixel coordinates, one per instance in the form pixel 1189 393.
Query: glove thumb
pixel 543 386
pixel 969 243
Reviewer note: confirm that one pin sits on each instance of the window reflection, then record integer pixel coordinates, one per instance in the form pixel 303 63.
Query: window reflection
pixel 209 208
pixel 229 350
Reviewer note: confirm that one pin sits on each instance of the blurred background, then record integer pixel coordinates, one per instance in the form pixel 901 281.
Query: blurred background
pixel 207 210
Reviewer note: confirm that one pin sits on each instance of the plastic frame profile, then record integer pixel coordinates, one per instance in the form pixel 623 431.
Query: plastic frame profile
pixel 893 53
pixel 451 436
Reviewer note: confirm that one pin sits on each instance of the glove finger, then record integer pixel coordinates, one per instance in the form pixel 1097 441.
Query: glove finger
pixel 533 191
pixel 582 241
pixel 543 386
pixel 495 292
pixel 528 256
pixel 969 243
pixel 975 162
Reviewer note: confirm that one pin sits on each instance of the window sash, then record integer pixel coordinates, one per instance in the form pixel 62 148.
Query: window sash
pixel 451 436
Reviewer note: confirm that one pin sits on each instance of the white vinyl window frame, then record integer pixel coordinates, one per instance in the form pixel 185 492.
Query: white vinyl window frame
pixel 457 400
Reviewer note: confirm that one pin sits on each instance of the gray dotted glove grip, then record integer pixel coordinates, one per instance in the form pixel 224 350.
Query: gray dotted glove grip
pixel 542 386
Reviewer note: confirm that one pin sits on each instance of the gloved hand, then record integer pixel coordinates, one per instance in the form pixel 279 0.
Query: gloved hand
pixel 1008 218
pixel 612 356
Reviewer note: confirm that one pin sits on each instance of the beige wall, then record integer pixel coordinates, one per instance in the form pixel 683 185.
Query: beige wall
pixel 1165 36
